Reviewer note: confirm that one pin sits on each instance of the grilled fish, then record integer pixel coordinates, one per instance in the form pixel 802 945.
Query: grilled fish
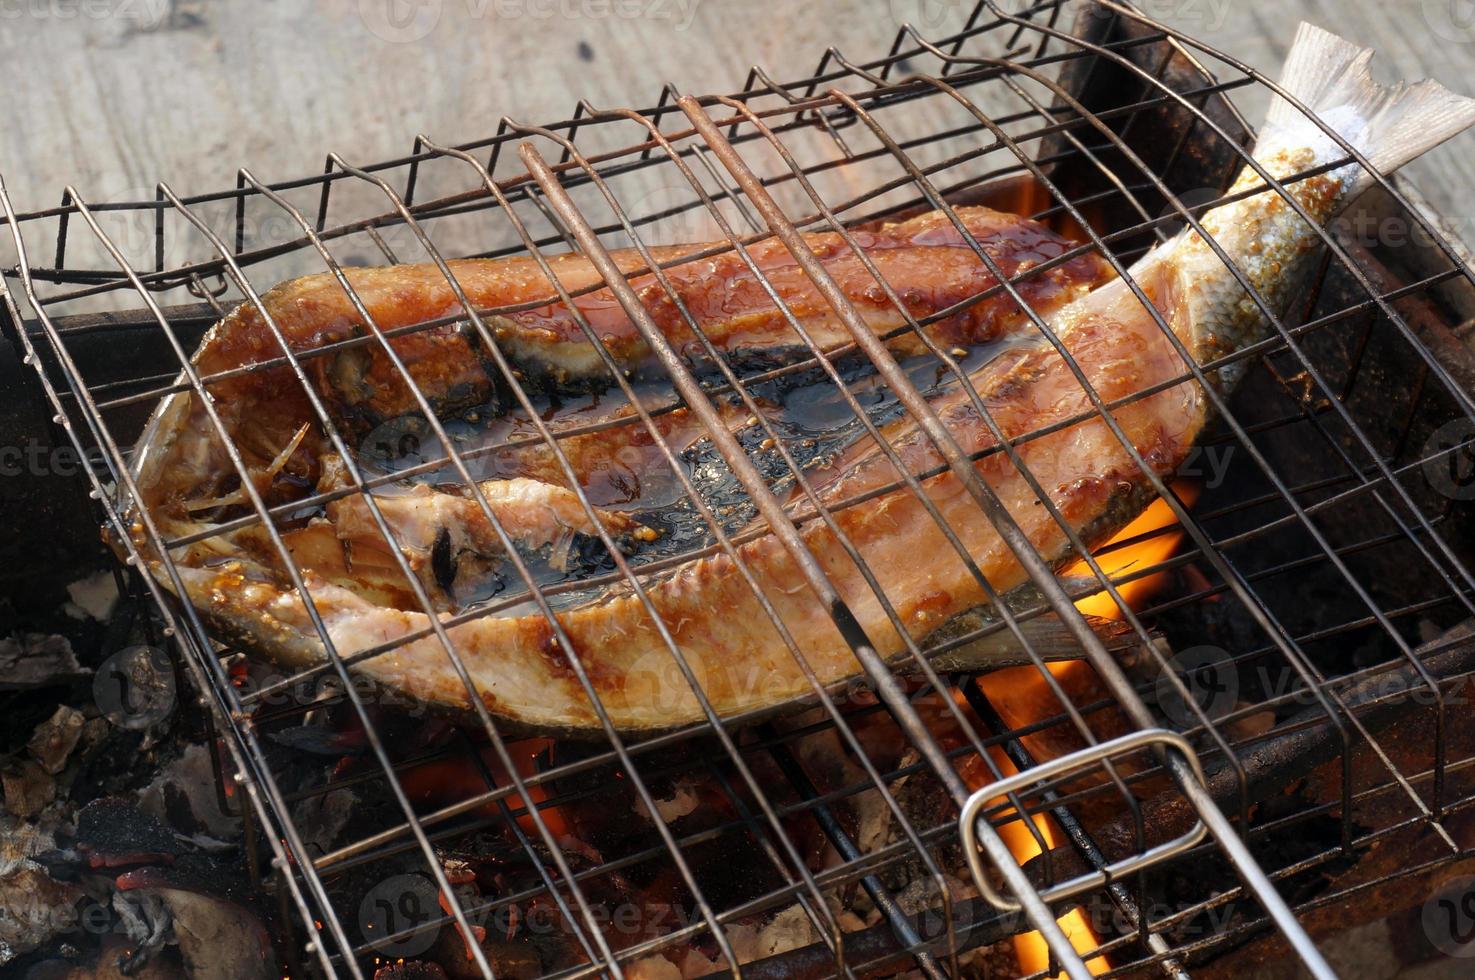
pixel 1122 347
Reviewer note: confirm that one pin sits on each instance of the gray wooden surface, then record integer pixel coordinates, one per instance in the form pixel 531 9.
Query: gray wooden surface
pixel 112 95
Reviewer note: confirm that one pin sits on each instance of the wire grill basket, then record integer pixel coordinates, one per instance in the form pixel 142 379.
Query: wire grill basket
pixel 1228 769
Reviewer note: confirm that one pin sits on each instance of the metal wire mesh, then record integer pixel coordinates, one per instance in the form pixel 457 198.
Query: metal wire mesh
pixel 1319 566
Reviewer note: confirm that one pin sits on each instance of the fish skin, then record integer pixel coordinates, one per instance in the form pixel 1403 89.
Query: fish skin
pixel 228 576
pixel 523 675
pixel 1117 343
pixel 925 260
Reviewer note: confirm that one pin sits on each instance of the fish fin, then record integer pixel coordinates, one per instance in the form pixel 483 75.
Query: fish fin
pixel 1388 124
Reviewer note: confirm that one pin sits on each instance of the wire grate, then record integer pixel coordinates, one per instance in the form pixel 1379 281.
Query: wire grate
pixel 1320 567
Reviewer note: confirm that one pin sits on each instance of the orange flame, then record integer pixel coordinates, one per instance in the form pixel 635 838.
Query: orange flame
pixel 1160 535
pixel 1030 948
pixel 1022 696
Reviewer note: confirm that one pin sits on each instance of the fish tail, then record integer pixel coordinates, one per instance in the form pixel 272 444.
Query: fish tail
pixel 1271 238
pixel 1388 124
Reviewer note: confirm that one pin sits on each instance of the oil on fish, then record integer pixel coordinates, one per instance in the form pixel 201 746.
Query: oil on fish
pixel 189 484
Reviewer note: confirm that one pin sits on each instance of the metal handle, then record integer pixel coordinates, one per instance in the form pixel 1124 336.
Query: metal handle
pixel 968 819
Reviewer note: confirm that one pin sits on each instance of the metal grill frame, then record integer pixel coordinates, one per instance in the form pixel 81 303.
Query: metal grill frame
pixel 815 101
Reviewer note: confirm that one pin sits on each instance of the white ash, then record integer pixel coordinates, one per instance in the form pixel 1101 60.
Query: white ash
pixel 21 840
pixel 93 597
pixel 682 801
pixel 146 922
pixel 789 929
pixel 655 967
pixel 31 660
pixel 320 818
pixel 52 743
pixel 189 780
pixel 37 909
pixel 218 939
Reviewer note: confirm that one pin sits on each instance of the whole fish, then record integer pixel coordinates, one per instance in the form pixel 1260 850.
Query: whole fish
pixel 520 670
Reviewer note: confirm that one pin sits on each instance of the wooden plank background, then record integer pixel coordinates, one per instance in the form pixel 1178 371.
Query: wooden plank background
pixel 112 95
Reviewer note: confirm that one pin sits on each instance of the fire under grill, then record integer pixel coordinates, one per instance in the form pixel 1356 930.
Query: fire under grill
pixel 1262 735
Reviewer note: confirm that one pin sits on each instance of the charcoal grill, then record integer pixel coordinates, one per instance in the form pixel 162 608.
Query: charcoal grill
pixel 1326 567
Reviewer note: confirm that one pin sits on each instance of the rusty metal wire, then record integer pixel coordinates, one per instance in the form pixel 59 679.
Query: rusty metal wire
pixel 1076 111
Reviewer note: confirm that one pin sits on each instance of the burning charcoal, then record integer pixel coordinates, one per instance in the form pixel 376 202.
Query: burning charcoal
pixel 218 939
pixel 28 788
pixel 109 964
pixel 55 738
pixel 146 921
pixel 184 796
pixel 114 833
pixel 413 970
pixel 321 818
pixel 34 909
pixel 33 660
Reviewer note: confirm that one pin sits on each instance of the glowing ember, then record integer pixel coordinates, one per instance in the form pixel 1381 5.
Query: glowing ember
pixel 444 782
